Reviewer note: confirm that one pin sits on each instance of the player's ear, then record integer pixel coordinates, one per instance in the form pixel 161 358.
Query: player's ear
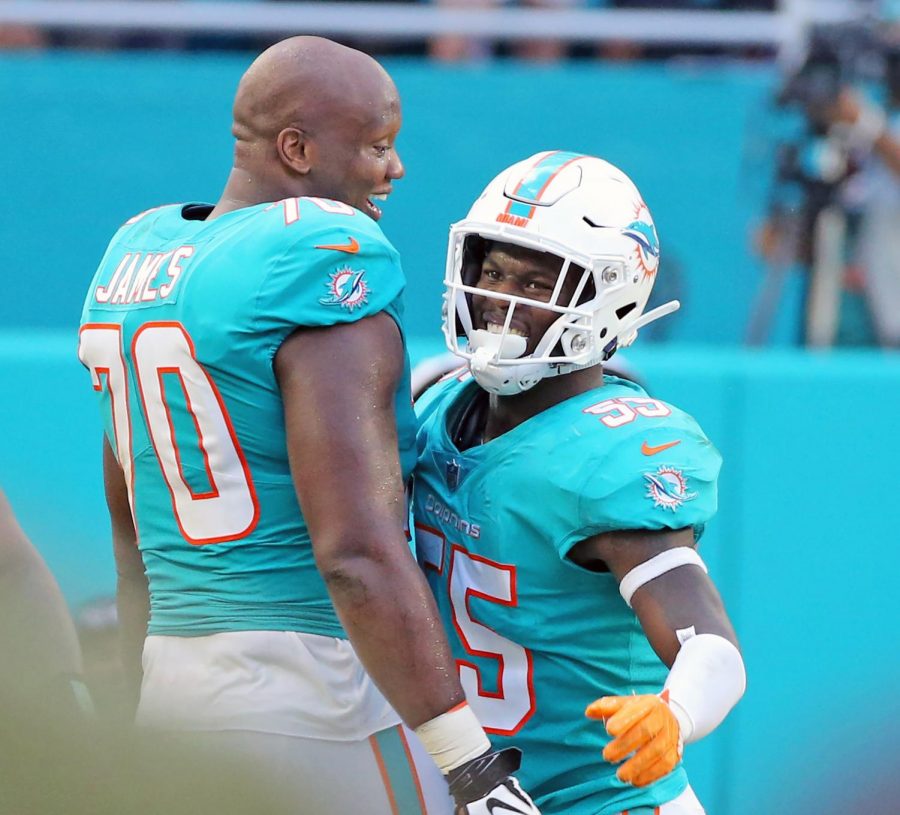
pixel 294 149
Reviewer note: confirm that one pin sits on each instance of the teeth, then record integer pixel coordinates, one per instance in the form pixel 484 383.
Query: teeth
pixel 494 328
pixel 382 197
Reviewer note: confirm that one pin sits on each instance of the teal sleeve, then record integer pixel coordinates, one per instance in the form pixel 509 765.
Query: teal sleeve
pixel 312 283
pixel 631 486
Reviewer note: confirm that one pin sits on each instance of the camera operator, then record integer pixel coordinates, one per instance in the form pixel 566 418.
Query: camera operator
pixel 874 135
pixel 835 203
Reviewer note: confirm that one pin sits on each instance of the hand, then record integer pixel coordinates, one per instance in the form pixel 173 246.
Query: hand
pixel 644 726
pixel 485 786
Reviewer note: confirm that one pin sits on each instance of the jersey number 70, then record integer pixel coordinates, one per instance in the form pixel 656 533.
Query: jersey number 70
pixel 228 510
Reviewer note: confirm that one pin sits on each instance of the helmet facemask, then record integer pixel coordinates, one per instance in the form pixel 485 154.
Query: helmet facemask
pixel 590 216
pixel 496 357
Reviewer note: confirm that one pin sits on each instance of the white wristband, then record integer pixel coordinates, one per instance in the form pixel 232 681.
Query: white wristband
pixel 706 681
pixel 656 566
pixel 453 738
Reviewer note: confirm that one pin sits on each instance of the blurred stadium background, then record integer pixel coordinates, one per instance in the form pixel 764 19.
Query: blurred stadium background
pixel 108 108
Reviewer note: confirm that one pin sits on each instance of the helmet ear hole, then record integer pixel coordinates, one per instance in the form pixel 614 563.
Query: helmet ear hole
pixel 624 311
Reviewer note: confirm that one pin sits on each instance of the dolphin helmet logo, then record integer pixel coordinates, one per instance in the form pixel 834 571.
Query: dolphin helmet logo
pixel 643 233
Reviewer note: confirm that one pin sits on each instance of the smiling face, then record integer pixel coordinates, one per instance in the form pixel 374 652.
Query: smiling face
pixel 355 159
pixel 304 131
pixel 513 270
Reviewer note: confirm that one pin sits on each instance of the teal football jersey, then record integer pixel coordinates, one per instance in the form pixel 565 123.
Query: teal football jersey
pixel 179 331
pixel 537 637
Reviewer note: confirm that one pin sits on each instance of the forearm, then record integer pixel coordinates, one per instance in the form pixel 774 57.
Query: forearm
pixel 685 621
pixel 390 616
pixel 680 603
pixel 705 683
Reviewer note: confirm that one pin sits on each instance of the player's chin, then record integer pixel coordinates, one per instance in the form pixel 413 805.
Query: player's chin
pixel 371 209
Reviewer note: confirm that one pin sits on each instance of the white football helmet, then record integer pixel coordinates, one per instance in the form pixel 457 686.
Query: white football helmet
pixel 588 213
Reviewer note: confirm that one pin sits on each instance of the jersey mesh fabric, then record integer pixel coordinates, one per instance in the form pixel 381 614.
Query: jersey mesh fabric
pixel 254 276
pixel 494 525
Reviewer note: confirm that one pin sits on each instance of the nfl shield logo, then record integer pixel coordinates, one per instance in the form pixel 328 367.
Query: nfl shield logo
pixel 453 471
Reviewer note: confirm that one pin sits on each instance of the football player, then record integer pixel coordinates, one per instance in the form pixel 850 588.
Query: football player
pixel 254 383
pixel 558 509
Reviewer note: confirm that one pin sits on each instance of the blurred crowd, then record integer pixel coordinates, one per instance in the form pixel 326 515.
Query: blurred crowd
pixel 449 48
pixel 836 200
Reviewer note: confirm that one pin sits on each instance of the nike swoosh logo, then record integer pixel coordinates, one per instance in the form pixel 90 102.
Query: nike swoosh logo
pixel 351 248
pixel 647 450
pixel 493 805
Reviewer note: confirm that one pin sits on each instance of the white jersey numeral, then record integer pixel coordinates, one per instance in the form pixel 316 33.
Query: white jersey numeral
pixel 332 207
pixel 430 548
pixel 616 412
pixel 290 208
pixel 229 509
pixel 505 710
pixel 100 349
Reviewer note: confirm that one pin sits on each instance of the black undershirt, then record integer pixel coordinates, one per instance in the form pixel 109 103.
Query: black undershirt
pixel 468 426
pixel 196 212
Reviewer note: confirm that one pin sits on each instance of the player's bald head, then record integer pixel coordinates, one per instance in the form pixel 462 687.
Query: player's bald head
pixel 309 83
pixel 314 118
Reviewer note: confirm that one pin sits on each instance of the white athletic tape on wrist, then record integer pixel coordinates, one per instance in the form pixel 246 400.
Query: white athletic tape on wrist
pixel 707 680
pixel 453 738
pixel 656 566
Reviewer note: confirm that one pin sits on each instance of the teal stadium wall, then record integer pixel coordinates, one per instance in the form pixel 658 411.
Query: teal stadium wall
pixel 91 139
pixel 804 547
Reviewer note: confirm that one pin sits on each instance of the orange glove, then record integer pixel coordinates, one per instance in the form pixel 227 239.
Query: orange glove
pixel 643 726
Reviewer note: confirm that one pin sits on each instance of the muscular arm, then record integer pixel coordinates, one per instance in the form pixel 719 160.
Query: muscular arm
pixel 338 385
pixel 132 592
pixel 38 642
pixel 707 674
pixel 676 600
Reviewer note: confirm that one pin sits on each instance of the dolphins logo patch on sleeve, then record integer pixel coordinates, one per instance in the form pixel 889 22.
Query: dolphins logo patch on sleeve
pixel 346 288
pixel 668 488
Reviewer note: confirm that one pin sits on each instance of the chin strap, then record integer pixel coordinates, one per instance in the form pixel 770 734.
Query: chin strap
pixel 479 363
pixel 486 349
